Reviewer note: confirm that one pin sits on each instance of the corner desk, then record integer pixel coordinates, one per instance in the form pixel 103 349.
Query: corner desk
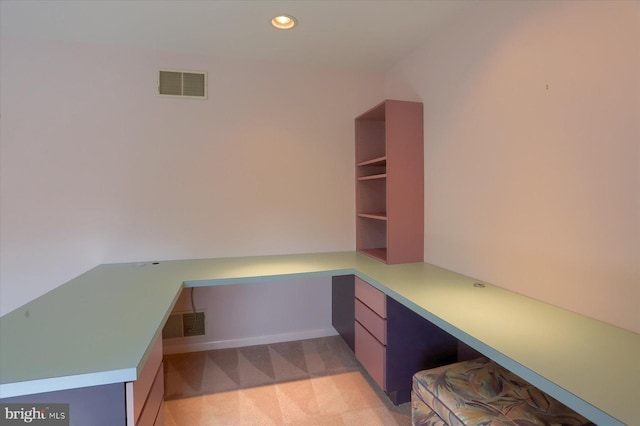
pixel 99 329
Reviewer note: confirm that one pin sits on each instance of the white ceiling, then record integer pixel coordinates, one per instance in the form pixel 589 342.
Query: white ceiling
pixel 359 34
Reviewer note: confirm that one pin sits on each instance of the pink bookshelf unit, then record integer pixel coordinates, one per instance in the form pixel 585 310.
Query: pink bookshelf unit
pixel 390 182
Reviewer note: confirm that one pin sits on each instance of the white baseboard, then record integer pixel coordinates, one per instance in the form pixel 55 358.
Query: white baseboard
pixel 170 348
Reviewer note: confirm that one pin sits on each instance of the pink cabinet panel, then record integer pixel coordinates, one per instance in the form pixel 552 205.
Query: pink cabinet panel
pixel 149 415
pixel 371 354
pixel 389 151
pixel 144 396
pixel 371 321
pixel 372 297
pixel 160 418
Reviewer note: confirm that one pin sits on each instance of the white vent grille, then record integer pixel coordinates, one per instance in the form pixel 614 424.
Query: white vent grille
pixel 182 84
pixel 184 325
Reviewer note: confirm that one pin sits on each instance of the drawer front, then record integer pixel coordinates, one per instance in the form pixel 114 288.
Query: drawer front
pixel 138 391
pixel 371 321
pixel 372 355
pixel 372 297
pixel 149 414
pixel 160 418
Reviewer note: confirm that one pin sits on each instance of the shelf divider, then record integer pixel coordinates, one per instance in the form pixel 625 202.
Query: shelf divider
pixel 371 177
pixel 380 161
pixel 377 216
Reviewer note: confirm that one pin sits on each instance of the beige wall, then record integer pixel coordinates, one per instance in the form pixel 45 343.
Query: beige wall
pixel 96 168
pixel 532 156
pixel 245 314
pixel 532 150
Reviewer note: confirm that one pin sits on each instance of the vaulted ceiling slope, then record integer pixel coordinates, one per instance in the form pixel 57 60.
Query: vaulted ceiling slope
pixel 357 34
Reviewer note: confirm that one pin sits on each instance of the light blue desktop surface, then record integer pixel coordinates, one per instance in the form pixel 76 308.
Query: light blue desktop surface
pixel 98 328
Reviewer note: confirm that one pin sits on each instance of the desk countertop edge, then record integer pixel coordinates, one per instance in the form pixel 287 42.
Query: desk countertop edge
pixel 356 264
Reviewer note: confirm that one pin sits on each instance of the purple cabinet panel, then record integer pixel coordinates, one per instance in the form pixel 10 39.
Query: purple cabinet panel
pixel 342 307
pixel 413 344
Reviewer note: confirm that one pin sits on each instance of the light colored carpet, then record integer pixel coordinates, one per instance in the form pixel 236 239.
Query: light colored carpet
pixel 307 382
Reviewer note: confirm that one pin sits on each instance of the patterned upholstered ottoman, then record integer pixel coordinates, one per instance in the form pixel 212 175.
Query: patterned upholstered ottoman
pixel 480 392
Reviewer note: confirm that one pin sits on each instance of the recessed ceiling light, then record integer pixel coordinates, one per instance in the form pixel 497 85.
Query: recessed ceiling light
pixel 284 22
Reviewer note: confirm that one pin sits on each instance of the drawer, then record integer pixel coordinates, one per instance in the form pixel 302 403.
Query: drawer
pixel 149 414
pixel 160 418
pixel 372 355
pixel 372 297
pixel 137 392
pixel 371 321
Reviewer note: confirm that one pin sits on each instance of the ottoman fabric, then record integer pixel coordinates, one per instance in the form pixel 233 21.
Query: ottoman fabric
pixel 422 415
pixel 480 392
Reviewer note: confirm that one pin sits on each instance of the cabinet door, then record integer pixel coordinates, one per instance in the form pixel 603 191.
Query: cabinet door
pixel 342 307
pixel 413 344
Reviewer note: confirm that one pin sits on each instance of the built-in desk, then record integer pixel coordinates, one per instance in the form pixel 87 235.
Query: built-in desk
pixel 98 329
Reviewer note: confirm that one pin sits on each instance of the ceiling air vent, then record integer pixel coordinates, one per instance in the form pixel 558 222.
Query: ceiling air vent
pixel 182 84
